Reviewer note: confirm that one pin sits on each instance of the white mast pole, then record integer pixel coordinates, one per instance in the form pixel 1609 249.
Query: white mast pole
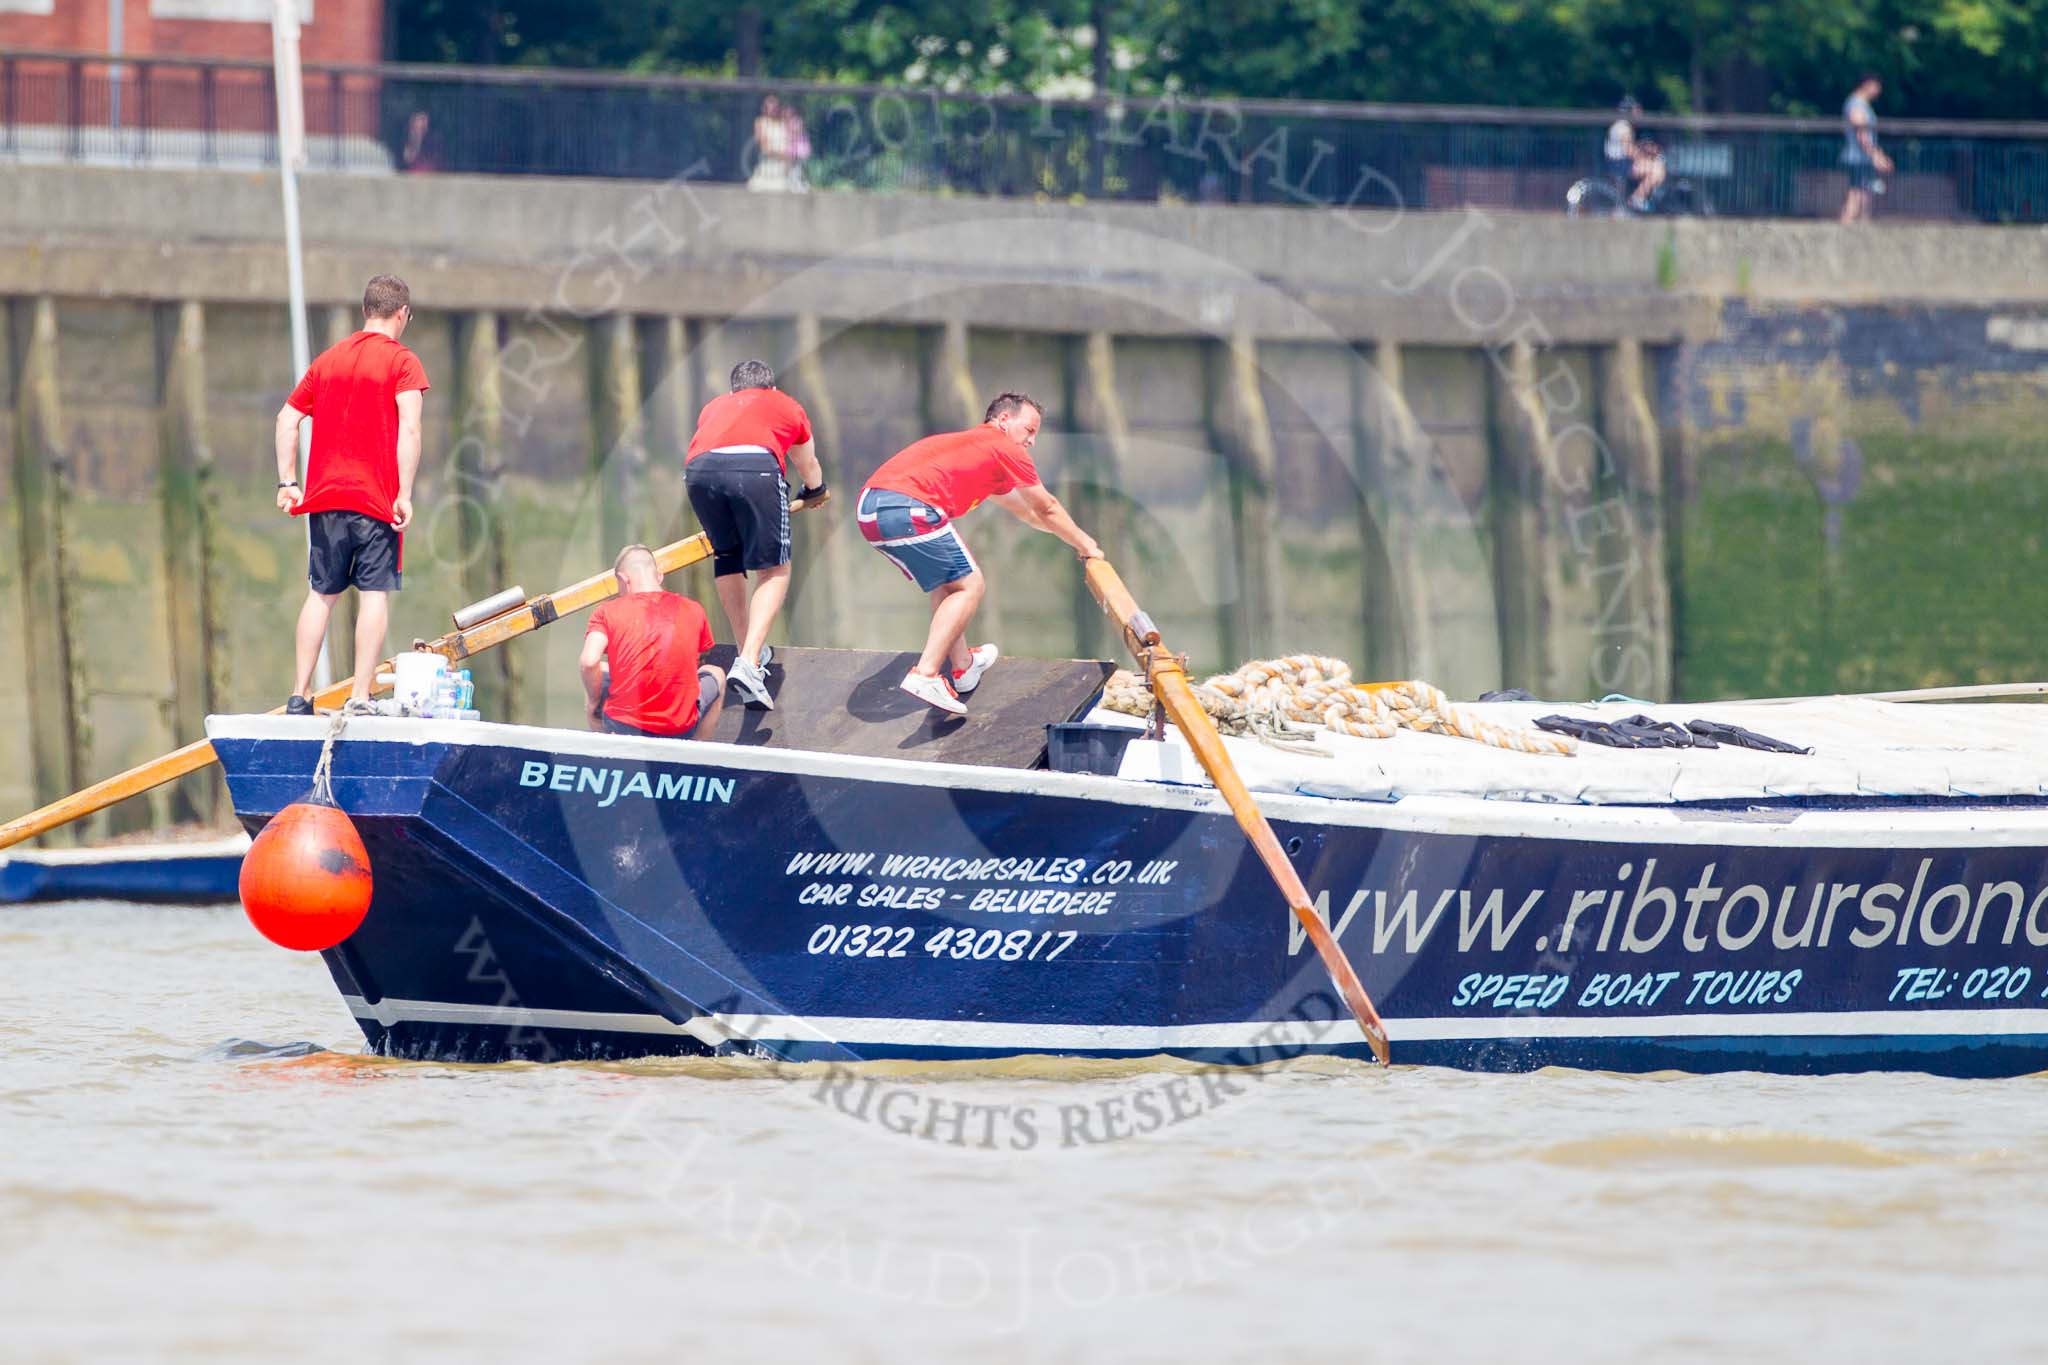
pixel 291 155
pixel 116 28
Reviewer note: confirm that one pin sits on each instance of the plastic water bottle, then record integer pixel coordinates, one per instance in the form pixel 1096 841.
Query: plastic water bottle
pixel 467 701
pixel 446 697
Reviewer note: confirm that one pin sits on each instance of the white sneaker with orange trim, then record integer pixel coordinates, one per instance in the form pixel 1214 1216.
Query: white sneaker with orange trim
pixel 936 693
pixel 966 679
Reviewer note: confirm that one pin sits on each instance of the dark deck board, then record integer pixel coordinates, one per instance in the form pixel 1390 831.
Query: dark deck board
pixel 846 701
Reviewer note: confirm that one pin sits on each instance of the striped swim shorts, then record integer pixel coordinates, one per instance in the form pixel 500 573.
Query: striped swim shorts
pixel 916 537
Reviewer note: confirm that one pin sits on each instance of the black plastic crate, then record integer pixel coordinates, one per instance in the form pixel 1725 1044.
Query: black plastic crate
pixel 1073 746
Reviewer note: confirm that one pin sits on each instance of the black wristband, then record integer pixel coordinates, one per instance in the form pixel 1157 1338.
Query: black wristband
pixel 289 483
pixel 807 494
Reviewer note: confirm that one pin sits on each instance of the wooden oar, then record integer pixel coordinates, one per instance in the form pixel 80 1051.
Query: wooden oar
pixel 1169 682
pixel 1967 692
pixel 529 615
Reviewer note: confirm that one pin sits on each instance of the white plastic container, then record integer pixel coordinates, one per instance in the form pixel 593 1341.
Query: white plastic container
pixel 414 675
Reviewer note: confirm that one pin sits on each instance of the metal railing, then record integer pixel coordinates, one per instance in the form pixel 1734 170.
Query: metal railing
pixel 524 121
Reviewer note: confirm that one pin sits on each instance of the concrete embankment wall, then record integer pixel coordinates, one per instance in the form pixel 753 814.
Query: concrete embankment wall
pixel 1687 459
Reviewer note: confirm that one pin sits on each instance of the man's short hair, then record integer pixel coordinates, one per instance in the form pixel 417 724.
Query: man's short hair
pixel 1010 404
pixel 752 374
pixel 1871 78
pixel 384 295
pixel 631 553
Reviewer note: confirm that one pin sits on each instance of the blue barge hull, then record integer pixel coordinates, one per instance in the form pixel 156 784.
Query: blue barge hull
pixel 165 874
pixel 548 894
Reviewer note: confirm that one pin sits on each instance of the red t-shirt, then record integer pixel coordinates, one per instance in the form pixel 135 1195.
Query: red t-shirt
pixel 955 472
pixel 653 640
pixel 351 392
pixel 751 417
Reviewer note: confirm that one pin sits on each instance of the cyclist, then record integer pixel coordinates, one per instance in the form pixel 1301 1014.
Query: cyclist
pixel 1633 161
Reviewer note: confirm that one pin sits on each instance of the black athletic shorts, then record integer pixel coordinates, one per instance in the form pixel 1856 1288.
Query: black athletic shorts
pixel 743 505
pixel 348 549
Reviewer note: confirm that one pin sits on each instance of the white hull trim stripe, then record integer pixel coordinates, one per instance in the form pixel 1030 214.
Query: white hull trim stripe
pixel 936 1033
pixel 1460 815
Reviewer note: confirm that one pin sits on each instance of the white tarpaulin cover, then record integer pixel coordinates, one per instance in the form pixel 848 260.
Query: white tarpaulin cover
pixel 1860 748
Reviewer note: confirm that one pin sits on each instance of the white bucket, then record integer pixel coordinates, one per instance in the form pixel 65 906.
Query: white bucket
pixel 413 680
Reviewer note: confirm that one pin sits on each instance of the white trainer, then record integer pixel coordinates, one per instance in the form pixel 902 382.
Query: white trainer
pixel 967 679
pixel 752 683
pixel 936 693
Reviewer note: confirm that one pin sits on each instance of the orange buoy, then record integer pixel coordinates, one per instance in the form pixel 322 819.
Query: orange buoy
pixel 306 878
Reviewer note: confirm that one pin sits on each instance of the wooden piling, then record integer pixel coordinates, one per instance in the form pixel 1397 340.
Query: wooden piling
pixel 617 453
pixel 1100 451
pixel 1528 530
pixel 1242 431
pixel 191 586
pixel 1632 631
pixel 818 548
pixel 476 475
pixel 56 691
pixel 952 401
pixel 675 391
pixel 1435 615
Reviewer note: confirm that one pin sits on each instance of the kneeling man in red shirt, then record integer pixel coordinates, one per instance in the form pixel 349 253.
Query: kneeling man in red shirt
pixel 653 640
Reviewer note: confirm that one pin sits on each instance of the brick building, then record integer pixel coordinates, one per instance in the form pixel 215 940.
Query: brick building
pixel 348 31
pixel 170 100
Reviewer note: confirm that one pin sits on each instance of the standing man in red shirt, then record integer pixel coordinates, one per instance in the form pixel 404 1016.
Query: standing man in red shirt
pixel 653 640
pixel 364 394
pixel 907 509
pixel 734 473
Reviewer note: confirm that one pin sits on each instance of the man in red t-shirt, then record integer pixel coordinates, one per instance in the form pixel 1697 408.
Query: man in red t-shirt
pixel 907 509
pixel 734 473
pixel 364 394
pixel 653 641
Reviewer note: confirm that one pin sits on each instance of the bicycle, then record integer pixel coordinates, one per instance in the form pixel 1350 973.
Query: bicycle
pixel 1602 196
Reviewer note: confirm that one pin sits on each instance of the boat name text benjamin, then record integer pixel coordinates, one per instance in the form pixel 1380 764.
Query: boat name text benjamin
pixel 610 784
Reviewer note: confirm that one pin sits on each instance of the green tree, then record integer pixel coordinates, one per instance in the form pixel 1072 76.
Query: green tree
pixel 1960 58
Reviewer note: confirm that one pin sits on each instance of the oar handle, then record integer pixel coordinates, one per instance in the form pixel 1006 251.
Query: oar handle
pixel 1139 632
pixel 99 795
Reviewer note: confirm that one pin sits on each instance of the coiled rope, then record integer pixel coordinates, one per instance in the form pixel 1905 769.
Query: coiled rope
pixel 1274 699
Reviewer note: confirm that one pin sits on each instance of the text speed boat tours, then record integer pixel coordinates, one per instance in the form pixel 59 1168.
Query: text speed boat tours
pixel 811 893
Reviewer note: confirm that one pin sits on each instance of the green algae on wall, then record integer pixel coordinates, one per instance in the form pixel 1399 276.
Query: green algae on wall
pixel 1919 560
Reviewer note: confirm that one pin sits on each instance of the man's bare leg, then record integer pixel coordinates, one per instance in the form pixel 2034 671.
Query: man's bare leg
pixel 373 615
pixel 708 717
pixel 312 629
pixel 953 606
pixel 771 588
pixel 732 595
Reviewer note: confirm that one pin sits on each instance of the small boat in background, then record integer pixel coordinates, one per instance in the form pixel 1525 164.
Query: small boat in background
pixel 185 872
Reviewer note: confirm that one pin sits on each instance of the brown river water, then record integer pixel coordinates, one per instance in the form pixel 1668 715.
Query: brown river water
pixel 174 1185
